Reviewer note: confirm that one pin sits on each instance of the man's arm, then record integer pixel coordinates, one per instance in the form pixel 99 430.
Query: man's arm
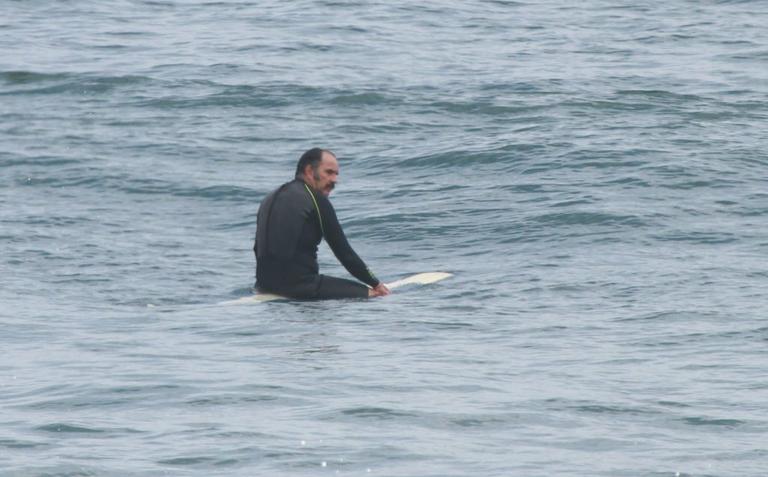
pixel 339 244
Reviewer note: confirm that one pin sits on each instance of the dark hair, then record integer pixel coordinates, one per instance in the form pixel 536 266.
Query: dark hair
pixel 310 158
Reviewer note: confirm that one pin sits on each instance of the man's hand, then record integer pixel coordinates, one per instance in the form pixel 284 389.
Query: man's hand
pixel 379 290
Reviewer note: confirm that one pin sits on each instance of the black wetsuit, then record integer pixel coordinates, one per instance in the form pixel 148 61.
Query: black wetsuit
pixel 291 222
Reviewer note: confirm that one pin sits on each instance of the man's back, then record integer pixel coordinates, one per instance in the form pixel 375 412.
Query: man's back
pixel 287 235
pixel 290 205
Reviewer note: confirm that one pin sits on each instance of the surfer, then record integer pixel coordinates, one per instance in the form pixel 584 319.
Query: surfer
pixel 290 224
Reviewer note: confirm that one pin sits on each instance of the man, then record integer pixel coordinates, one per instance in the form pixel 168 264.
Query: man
pixel 290 224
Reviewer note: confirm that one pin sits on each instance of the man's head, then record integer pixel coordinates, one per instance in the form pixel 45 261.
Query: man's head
pixel 318 168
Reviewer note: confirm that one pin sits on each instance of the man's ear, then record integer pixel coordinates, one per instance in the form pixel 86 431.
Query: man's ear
pixel 308 170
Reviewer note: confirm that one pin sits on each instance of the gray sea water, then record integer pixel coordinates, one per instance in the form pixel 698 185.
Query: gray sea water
pixel 592 173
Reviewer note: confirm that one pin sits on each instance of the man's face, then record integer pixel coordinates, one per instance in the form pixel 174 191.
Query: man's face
pixel 325 177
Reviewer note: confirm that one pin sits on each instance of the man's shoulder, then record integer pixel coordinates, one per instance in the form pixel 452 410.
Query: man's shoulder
pixel 291 194
pixel 290 186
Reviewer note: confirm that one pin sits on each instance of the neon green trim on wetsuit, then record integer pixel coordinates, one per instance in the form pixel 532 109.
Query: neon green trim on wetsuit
pixel 317 208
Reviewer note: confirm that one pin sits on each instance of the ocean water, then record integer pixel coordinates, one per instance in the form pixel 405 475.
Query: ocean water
pixel 592 173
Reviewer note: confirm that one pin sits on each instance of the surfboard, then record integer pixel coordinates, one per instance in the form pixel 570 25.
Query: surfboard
pixel 417 279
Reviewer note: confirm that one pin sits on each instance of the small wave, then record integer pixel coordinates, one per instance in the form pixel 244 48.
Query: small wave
pixel 30 83
pixel 698 238
pixel 220 192
pixel 594 407
pixel 664 316
pixel 189 461
pixel 608 409
pixel 506 3
pixel 663 95
pixel 241 96
pixel 363 99
pixel 145 186
pixel 30 77
pixel 588 218
pixel 505 155
pixel 262 95
pixel 435 420
pixel 705 421
pixel 484 108
pixel 63 428
pixel 19 444
pixel 377 413
pixel 38 161
pixel 700 184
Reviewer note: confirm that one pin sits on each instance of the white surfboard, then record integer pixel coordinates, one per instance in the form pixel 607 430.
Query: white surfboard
pixel 418 279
